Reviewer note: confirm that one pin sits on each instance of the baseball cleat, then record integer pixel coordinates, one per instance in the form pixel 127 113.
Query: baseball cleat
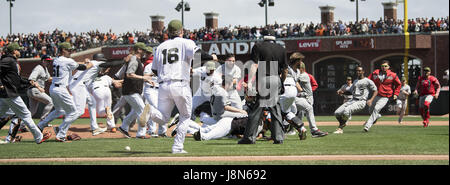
pixel 45 136
pixel 99 131
pixel 114 130
pixel 318 133
pixel 125 133
pixel 338 131
pixel 175 120
pixel 302 134
pixel 63 140
pixel 144 116
pixel 179 152
pixel 425 123
pixel 366 129
pixel 3 142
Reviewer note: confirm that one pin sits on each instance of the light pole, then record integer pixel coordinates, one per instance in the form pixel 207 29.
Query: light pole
pixel 357 9
pixel 265 3
pixel 10 14
pixel 183 7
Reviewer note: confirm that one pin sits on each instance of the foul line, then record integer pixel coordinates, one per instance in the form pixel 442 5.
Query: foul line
pixel 237 158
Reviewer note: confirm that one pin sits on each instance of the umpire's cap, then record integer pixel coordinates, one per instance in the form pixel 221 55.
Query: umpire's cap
pixel 427 69
pixel 175 26
pixel 99 57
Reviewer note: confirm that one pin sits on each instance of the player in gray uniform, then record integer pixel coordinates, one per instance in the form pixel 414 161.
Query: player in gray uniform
pixel 37 94
pixel 402 100
pixel 304 99
pixel 222 111
pixel 345 90
pixel 360 92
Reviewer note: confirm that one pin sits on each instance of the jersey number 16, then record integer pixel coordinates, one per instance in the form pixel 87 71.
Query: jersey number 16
pixel 170 56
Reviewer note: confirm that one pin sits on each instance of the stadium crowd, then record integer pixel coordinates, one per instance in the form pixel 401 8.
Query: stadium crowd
pixel 46 43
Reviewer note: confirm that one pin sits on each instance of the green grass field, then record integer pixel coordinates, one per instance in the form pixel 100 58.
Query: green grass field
pixel 381 140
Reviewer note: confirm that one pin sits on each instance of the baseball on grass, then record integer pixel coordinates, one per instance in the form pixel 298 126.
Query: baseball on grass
pixel 127 148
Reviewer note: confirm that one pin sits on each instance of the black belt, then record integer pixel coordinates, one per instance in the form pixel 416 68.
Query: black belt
pixel 56 85
pixel 173 81
pixel 288 85
pixel 154 87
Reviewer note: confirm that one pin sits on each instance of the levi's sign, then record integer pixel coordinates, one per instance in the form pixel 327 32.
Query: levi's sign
pixel 309 45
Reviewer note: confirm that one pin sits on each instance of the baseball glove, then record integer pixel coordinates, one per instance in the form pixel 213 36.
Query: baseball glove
pixel 73 137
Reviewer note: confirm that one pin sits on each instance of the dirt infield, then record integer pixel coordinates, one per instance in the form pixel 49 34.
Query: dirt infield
pixel 237 158
pixel 85 133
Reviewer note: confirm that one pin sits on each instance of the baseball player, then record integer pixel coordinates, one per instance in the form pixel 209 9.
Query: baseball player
pixel 230 70
pixel 207 79
pixel 64 104
pixel 345 90
pixel 151 97
pixel 304 100
pixel 12 85
pixel 37 94
pixel 360 92
pixel 132 89
pixel 221 108
pixel 290 92
pixel 388 85
pixel 172 64
pixel 428 88
pixel 102 94
pixel 402 100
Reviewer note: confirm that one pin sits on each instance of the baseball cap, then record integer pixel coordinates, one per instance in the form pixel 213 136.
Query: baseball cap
pixel 175 26
pixel 349 78
pixel 13 46
pixel 210 65
pixel 403 78
pixel 46 58
pixel 140 45
pixel 65 45
pixel 427 69
pixel 149 49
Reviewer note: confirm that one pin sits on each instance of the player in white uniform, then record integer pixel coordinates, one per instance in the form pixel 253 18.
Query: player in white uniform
pixel 172 64
pixel 402 100
pixel 230 70
pixel 63 66
pixel 223 112
pixel 360 91
pixel 207 79
pixel 150 94
pixel 101 90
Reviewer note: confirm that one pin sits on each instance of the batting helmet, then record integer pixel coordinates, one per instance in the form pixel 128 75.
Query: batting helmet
pixel 99 57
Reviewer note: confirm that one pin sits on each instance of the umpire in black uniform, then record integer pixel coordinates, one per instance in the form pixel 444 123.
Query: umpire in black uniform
pixel 272 62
